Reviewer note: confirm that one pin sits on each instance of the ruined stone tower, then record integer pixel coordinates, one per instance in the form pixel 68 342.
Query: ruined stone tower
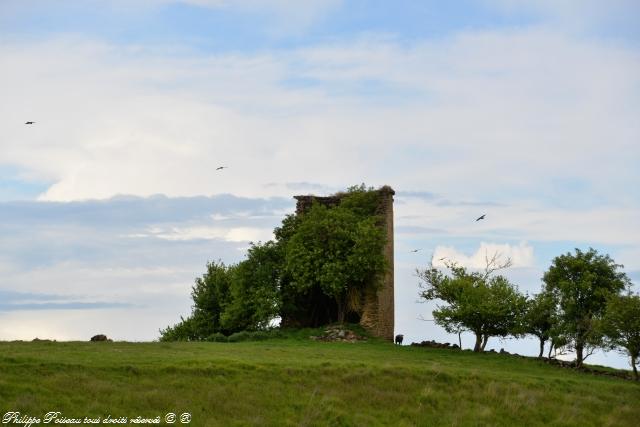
pixel 376 310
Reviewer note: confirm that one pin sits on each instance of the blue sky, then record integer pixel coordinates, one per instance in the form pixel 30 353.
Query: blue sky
pixel 110 205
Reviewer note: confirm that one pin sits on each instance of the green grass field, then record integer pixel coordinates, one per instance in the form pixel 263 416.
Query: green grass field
pixel 300 382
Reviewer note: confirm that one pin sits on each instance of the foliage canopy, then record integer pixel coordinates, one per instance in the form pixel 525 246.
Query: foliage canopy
pixel 582 283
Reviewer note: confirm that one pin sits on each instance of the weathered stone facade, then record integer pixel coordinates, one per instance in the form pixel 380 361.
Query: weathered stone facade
pixel 377 307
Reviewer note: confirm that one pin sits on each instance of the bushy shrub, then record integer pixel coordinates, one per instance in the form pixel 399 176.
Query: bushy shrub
pixel 240 336
pixel 217 337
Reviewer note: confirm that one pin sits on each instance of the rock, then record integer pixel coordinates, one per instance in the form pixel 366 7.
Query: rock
pixel 336 333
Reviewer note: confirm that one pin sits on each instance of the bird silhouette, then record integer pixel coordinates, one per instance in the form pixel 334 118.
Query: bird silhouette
pixel 480 217
pixel 221 167
pixel 29 123
pixel 415 250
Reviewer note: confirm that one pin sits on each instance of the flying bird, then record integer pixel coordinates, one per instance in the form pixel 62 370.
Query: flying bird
pixel 221 167
pixel 415 250
pixel 29 123
pixel 480 217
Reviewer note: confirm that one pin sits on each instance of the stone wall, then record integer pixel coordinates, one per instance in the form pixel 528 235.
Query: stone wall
pixel 377 313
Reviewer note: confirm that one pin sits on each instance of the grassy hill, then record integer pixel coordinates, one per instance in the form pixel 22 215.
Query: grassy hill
pixel 304 382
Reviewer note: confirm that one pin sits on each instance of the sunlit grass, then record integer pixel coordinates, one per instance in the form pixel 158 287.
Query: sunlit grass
pixel 303 382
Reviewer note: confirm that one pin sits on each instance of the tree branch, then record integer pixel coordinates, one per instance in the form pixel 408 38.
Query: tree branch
pixel 493 264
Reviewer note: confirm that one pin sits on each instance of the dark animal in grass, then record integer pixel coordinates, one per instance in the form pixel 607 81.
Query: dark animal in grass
pixel 399 339
pixel 99 338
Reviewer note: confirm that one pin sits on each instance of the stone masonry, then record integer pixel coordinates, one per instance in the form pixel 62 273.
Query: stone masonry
pixel 377 307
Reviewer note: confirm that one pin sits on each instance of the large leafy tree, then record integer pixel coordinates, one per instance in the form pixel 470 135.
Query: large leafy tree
pixel 337 250
pixel 480 302
pixel 582 283
pixel 620 326
pixel 324 255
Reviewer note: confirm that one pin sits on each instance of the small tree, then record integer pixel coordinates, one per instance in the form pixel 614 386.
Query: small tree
pixel 620 326
pixel 540 318
pixel 582 283
pixel 485 305
pixel 210 295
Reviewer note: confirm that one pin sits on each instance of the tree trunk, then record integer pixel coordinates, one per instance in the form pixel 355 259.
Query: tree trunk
pixel 484 341
pixel 579 355
pixel 550 349
pixel 459 339
pixel 478 346
pixel 340 304
pixel 541 348
pixel 633 365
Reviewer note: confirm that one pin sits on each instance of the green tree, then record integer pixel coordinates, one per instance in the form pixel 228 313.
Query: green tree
pixel 486 305
pixel 337 250
pixel 582 283
pixel 254 297
pixel 620 326
pixel 210 295
pixel 323 256
pixel 541 317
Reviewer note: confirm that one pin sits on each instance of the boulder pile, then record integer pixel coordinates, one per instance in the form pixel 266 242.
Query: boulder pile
pixel 338 334
pixel 605 373
pixel 433 344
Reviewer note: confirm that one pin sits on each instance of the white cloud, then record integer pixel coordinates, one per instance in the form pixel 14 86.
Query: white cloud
pixel 520 255
pixel 233 234
pixel 528 105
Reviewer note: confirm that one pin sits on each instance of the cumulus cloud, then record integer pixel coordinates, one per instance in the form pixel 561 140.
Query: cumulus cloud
pixel 521 255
